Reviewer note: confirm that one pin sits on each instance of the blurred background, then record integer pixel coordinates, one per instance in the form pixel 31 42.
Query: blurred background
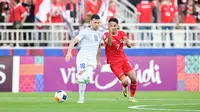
pixel 148 23
pixel 35 35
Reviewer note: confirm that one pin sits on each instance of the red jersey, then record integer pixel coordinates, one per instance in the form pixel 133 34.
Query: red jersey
pixel 111 11
pixel 56 11
pixel 115 53
pixel 93 6
pixel 18 13
pixel 167 13
pixel 145 11
pixel 189 18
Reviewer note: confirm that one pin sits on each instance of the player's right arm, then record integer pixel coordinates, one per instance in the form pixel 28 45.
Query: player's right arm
pixel 79 37
pixel 109 40
pixel 71 46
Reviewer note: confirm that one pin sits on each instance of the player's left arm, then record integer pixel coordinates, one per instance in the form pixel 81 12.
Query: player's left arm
pixel 127 42
pixel 125 39
pixel 99 56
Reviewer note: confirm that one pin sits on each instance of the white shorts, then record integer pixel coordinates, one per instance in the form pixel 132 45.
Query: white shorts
pixel 83 61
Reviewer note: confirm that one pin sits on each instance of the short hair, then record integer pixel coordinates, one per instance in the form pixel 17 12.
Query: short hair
pixel 94 16
pixel 113 20
pixel 17 1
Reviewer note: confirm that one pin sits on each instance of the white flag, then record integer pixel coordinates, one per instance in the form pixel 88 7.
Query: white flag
pixel 104 11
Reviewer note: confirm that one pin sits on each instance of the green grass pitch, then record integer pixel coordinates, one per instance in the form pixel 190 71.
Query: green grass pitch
pixel 156 101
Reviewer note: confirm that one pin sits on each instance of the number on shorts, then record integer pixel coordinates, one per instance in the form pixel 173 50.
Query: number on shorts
pixel 82 65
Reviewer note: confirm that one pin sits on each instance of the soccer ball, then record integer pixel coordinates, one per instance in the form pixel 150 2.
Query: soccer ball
pixel 60 96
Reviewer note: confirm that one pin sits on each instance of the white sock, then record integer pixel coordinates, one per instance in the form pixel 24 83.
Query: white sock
pixel 82 77
pixel 86 74
pixel 82 88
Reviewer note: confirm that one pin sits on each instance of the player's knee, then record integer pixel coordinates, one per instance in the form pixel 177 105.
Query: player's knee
pixel 131 76
pixel 125 82
pixel 133 80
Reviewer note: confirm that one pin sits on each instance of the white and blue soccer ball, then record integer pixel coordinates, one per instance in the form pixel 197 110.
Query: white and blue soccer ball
pixel 60 96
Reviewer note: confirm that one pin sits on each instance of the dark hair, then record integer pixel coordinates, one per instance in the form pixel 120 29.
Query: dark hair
pixel 94 16
pixel 113 20
pixel 17 1
pixel 194 12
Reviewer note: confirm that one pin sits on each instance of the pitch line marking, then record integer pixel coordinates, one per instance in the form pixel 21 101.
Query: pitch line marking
pixel 143 107
pixel 106 99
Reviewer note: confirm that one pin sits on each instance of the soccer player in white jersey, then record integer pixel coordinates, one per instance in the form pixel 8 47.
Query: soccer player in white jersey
pixel 89 55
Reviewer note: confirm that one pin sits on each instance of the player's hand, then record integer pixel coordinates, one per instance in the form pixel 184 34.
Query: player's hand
pixel 68 57
pixel 110 28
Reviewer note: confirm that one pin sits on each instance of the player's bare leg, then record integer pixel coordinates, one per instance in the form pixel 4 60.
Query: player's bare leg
pixel 124 81
pixel 83 80
pixel 133 85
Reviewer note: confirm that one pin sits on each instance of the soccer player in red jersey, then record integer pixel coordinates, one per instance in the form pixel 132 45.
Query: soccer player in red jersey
pixel 117 59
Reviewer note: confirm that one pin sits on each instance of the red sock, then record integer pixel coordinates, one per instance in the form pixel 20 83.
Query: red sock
pixel 132 89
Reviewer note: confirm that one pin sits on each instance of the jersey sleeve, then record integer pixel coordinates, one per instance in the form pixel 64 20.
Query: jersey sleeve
pixel 124 35
pixel 81 35
pixel 22 11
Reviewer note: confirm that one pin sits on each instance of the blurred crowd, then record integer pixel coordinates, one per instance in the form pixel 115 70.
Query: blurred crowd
pixel 168 11
pixel 25 10
pixel 19 12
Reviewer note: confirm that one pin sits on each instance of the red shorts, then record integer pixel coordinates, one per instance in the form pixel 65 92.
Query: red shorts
pixel 121 68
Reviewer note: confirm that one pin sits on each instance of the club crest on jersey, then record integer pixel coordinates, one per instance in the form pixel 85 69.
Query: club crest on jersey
pixel 96 39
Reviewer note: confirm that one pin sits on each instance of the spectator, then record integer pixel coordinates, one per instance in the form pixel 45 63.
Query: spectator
pixel 145 9
pixel 93 7
pixel 190 12
pixel 168 12
pixel 30 7
pixel 4 8
pixel 190 16
pixel 72 9
pixel 112 9
pixel 155 11
pixel 18 17
pixel 57 11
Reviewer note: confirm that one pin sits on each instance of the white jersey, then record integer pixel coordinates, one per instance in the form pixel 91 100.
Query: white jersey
pixel 89 41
